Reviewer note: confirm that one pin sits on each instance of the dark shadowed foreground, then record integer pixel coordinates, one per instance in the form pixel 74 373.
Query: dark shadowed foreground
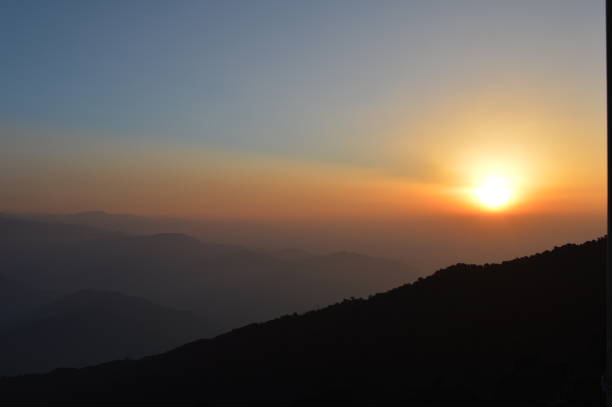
pixel 527 332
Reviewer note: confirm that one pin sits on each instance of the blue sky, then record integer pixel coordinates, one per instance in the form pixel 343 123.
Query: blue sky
pixel 269 74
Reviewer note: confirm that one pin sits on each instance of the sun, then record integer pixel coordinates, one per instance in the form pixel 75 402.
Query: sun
pixel 495 193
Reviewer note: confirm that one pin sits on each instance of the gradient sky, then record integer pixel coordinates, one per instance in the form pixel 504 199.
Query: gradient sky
pixel 293 110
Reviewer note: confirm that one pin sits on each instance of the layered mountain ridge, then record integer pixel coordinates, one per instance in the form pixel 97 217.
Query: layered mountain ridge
pixel 526 332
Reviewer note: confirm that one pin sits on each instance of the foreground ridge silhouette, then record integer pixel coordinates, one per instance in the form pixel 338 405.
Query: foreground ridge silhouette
pixel 525 332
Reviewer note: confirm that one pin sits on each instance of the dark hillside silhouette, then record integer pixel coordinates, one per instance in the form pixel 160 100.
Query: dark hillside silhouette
pixel 526 332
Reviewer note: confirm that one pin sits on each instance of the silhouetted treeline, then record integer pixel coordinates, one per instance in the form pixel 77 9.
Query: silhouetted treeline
pixel 527 332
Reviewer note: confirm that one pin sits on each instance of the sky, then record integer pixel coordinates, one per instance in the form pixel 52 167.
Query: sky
pixel 280 113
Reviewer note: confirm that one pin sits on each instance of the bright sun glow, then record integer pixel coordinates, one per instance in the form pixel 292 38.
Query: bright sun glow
pixel 494 193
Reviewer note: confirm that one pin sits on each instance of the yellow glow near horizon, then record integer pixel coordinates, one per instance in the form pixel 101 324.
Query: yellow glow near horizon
pixel 495 193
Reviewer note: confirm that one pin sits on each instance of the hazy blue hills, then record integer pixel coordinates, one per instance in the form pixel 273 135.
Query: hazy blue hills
pixel 136 224
pixel 16 232
pixel 43 265
pixel 230 285
pixel 18 299
pixel 526 332
pixel 103 220
pixel 89 327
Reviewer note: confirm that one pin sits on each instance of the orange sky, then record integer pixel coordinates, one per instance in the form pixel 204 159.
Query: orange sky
pixel 362 115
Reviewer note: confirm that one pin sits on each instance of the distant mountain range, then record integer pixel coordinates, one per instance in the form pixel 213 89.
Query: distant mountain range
pixel 526 332
pixel 18 299
pixel 229 284
pixel 226 286
pixel 89 327
pixel 136 225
